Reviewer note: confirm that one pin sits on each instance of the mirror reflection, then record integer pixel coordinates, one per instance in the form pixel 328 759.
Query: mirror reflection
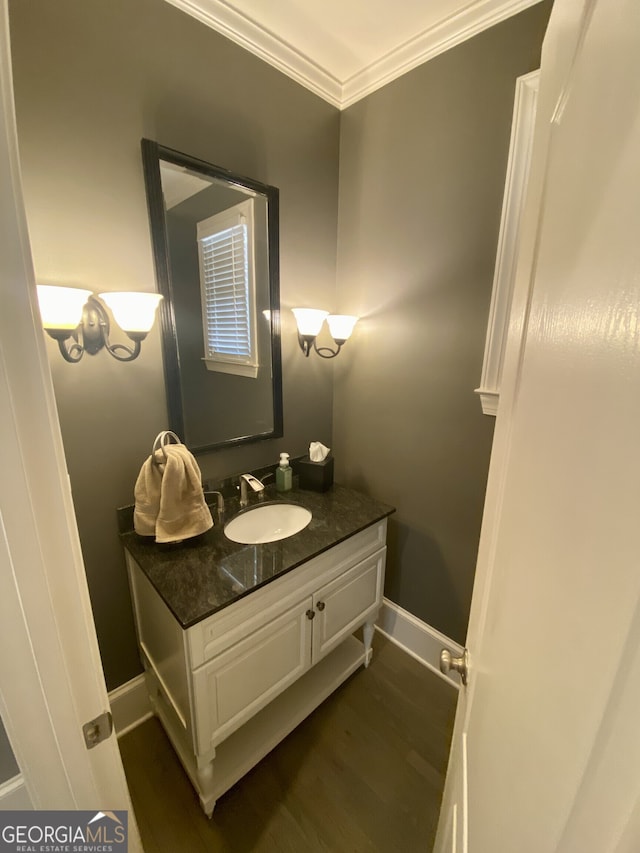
pixel 215 238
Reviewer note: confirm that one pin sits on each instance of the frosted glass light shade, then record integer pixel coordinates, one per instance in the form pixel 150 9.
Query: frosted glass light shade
pixel 61 307
pixel 133 312
pixel 341 326
pixel 309 320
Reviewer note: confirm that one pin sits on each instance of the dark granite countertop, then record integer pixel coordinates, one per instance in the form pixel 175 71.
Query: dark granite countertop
pixel 202 575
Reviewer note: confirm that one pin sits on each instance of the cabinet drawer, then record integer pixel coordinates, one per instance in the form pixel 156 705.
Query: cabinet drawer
pixel 234 685
pixel 345 603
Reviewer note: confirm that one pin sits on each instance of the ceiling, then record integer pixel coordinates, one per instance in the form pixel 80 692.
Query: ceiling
pixel 344 49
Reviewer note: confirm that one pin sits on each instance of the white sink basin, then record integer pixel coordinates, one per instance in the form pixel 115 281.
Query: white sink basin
pixel 267 523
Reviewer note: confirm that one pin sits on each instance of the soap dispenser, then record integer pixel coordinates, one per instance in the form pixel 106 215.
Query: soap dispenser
pixel 284 474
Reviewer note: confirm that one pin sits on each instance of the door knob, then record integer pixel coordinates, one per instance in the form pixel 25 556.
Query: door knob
pixel 459 665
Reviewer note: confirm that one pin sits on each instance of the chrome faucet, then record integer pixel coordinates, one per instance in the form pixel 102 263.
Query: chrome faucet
pixel 220 504
pixel 255 484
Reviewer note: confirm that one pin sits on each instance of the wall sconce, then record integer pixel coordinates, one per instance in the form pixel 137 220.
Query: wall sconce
pixel 70 313
pixel 310 322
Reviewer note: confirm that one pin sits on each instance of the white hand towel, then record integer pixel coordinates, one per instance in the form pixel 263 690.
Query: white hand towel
pixel 169 500
pixel 147 498
pixel 183 510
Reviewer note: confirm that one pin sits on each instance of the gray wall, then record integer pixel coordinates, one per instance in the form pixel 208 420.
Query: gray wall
pixel 422 169
pixel 92 79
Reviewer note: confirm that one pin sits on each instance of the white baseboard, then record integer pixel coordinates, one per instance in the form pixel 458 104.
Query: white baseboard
pixel 129 705
pixel 14 795
pixel 417 638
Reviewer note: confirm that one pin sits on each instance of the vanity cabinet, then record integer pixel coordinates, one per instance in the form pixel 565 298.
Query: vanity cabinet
pixel 230 687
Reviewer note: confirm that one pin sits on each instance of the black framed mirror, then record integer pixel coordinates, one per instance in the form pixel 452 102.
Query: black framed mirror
pixel 216 252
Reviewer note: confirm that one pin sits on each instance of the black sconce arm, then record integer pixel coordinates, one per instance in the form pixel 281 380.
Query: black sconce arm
pixel 92 334
pixel 327 352
pixel 308 342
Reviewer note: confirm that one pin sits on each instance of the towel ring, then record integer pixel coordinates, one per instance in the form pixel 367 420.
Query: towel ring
pixel 162 439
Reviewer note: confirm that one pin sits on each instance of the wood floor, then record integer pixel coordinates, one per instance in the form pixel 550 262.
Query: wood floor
pixel 363 774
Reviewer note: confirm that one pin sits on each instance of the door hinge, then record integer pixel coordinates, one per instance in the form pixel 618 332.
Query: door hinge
pixel 95 731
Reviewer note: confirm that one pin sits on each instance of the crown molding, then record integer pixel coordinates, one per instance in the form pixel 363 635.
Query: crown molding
pixel 448 33
pixel 264 44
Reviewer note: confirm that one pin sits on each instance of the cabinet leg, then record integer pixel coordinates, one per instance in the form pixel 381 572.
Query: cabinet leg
pixel 367 633
pixel 205 784
pixel 205 775
pixel 208 808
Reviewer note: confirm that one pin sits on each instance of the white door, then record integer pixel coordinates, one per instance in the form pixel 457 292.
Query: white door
pixel 546 753
pixel 51 679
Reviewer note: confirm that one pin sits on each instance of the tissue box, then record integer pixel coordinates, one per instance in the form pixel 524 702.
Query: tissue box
pixel 315 476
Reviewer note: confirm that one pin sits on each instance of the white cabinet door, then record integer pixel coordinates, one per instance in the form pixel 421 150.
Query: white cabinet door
pixel 233 686
pixel 345 603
